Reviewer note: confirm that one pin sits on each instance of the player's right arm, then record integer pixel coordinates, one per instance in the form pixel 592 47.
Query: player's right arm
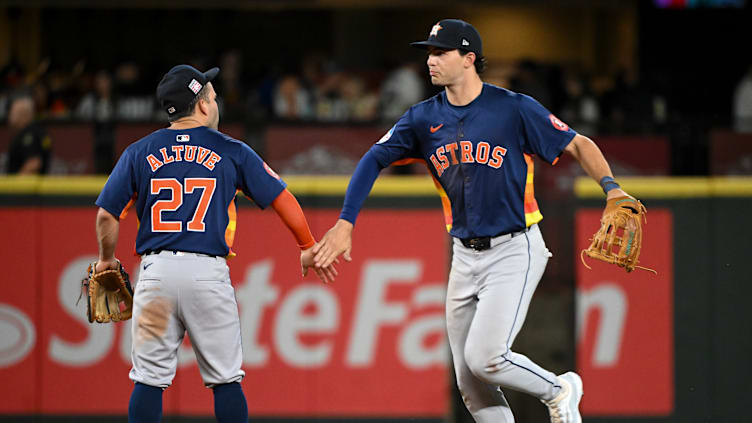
pixel 338 240
pixel 114 200
pixel 262 185
pixel 289 211
pixel 398 143
pixel 585 151
pixel 108 227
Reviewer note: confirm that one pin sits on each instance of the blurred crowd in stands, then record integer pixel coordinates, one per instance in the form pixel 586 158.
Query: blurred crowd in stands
pixel 317 90
pixel 320 90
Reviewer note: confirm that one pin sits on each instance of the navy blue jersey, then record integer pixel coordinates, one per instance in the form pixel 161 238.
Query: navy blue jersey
pixel 481 154
pixel 183 184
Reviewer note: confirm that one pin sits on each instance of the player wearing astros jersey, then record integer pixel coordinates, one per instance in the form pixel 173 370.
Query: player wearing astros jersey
pixel 182 181
pixel 478 141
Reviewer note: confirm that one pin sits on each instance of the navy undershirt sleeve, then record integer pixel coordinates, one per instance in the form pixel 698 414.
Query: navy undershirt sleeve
pixel 360 186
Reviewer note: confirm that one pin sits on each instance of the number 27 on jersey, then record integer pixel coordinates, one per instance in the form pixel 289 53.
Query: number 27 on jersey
pixel 175 201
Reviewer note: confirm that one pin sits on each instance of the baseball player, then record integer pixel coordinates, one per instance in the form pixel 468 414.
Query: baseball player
pixel 183 180
pixel 478 140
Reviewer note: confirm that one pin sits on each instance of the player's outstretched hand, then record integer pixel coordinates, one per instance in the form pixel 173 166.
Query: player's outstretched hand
pixel 338 240
pixel 326 274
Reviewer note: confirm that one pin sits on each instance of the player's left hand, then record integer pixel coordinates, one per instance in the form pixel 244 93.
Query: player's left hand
pixel 337 241
pixel 615 193
pixel 326 274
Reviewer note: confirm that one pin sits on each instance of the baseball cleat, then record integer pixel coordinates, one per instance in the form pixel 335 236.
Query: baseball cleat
pixel 565 407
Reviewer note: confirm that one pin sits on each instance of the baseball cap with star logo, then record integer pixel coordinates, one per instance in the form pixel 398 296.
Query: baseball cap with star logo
pixel 181 85
pixel 453 34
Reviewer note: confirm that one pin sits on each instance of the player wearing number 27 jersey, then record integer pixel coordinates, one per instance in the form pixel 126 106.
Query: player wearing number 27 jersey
pixel 182 181
pixel 171 177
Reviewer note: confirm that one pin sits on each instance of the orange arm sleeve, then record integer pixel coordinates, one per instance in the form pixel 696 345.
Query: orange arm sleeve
pixel 288 209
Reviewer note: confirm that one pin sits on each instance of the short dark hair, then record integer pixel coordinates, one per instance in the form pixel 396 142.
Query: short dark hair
pixel 480 62
pixel 202 95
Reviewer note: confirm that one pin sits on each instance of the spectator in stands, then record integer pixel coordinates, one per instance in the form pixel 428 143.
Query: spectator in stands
pixel 743 104
pixel 232 93
pixel 99 106
pixel 291 100
pixel 12 75
pixel 402 88
pixel 628 107
pixel 135 100
pixel 30 148
pixel 58 84
pixel 530 80
pixel 580 108
pixel 330 106
pixel 361 106
pixel 40 95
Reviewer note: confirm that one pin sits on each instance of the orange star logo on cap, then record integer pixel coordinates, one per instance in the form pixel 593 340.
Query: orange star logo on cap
pixel 435 30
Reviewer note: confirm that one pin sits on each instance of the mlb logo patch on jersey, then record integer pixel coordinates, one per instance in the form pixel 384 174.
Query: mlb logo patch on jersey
pixel 183 138
pixel 561 126
pixel 386 136
pixel 195 86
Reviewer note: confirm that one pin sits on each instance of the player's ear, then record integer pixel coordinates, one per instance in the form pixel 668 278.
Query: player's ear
pixel 203 106
pixel 470 59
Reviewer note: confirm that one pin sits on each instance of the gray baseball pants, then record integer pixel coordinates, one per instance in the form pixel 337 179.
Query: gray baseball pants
pixel 487 300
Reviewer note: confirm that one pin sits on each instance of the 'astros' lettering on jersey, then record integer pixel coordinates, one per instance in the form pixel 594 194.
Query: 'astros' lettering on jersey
pixel 183 183
pixel 481 155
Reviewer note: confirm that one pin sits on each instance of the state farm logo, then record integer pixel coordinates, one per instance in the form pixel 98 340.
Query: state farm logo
pixel 611 303
pixel 17 335
pixel 277 324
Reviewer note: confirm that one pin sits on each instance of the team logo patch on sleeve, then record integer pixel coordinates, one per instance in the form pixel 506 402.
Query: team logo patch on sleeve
pixel 558 124
pixel 270 171
pixel 386 136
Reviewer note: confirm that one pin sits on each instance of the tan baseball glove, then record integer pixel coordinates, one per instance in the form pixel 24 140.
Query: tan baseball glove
pixel 619 239
pixel 105 292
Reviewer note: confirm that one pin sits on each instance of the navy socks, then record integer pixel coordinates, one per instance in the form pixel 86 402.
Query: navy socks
pixel 145 405
pixel 229 403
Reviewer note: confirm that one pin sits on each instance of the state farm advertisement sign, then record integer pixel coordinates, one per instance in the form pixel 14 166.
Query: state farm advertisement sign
pixel 625 324
pixel 371 344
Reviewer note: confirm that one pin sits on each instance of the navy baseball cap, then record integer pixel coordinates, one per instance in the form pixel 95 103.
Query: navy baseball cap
pixel 453 34
pixel 181 85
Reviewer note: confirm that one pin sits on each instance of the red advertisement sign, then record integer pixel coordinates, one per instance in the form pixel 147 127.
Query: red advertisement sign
pixel 625 325
pixel 371 344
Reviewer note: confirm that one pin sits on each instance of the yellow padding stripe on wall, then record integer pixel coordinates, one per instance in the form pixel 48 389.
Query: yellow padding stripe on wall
pixel 52 185
pixel 675 187
pixel 386 186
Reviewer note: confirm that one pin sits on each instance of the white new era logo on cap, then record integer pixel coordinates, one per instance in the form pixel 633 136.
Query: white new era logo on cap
pixel 195 86
pixel 183 138
pixel 465 42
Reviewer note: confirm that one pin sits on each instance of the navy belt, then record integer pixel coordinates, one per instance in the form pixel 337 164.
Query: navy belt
pixel 484 242
pixel 150 252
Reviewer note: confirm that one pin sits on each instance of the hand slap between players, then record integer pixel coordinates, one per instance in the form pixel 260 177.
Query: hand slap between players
pixel 325 273
pixel 338 240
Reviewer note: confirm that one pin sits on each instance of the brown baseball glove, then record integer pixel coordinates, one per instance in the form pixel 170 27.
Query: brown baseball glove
pixel 619 239
pixel 105 291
